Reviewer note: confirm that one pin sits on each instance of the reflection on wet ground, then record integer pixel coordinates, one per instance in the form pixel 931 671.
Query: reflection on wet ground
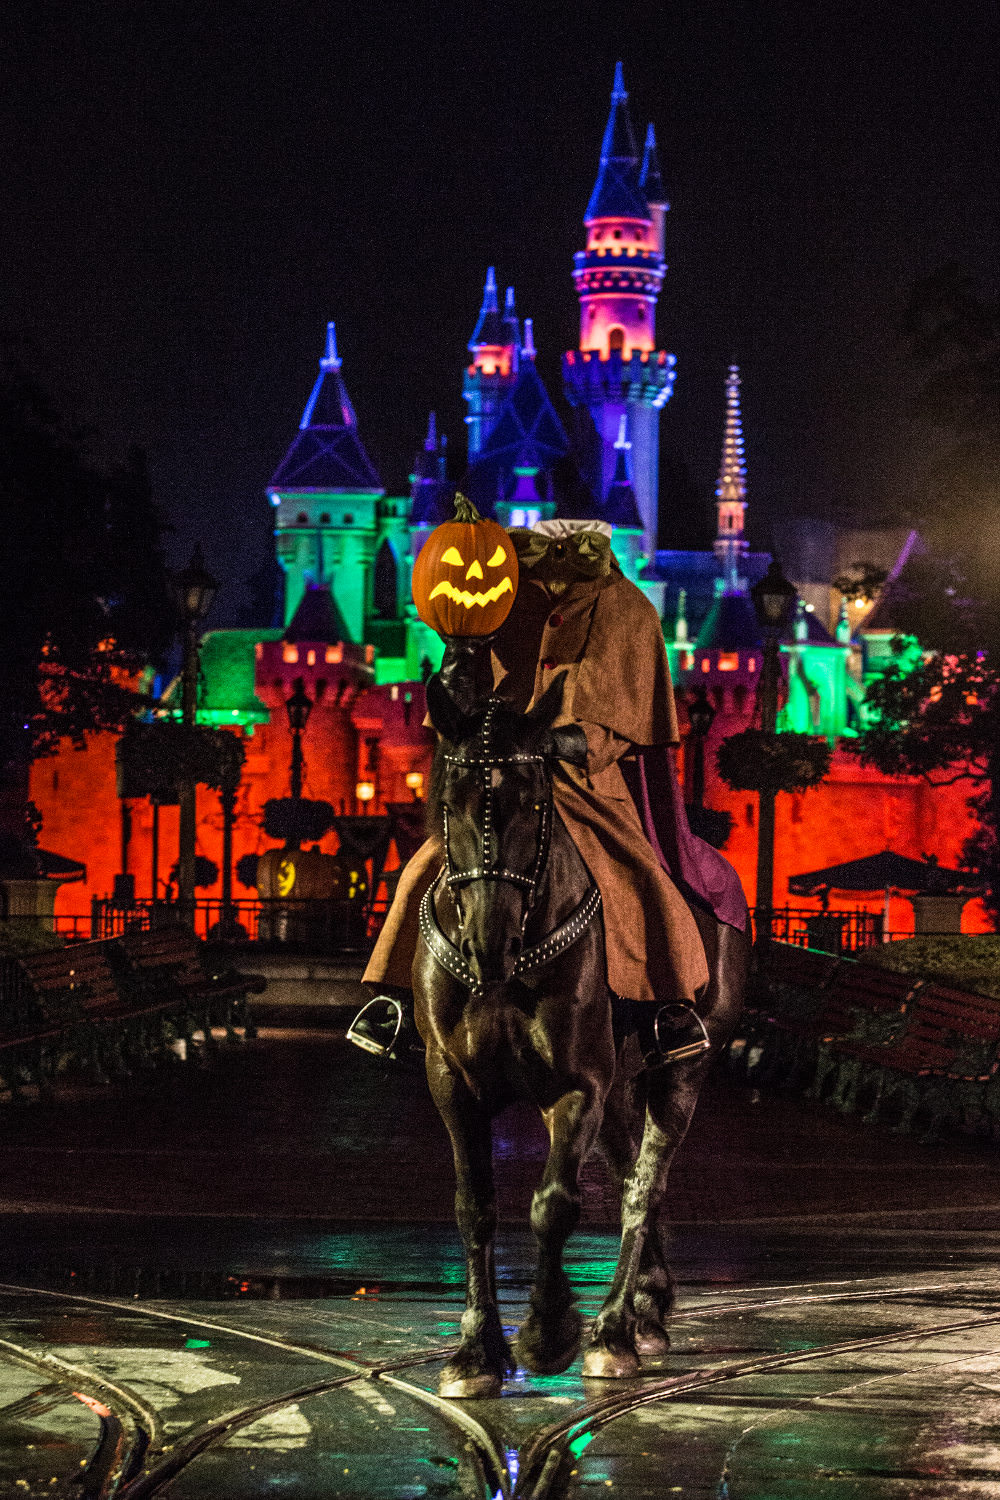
pixel 178 1340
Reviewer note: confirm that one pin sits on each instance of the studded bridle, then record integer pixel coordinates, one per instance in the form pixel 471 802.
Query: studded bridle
pixel 444 951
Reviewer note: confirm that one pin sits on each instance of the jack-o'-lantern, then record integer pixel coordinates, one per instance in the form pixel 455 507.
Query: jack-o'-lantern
pixel 465 575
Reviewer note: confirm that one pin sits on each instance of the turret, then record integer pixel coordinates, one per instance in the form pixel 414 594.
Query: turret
pixel 651 183
pixel 617 367
pixel 495 347
pixel 730 546
pixel 326 495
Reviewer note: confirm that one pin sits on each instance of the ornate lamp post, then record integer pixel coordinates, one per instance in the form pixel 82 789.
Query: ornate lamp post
pixel 298 708
pixel 194 589
pixel 701 715
pixel 773 599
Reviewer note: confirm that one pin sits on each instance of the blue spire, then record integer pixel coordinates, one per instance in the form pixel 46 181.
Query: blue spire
pixel 490 326
pixel 619 503
pixel 327 452
pixel 617 193
pixel 650 178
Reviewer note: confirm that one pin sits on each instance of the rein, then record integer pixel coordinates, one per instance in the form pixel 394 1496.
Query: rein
pixel 442 949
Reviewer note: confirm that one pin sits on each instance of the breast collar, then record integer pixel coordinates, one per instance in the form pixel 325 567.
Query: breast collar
pixel 441 947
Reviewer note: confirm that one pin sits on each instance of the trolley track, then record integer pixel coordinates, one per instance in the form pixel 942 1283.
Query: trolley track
pixel 545 1461
pixel 132 1435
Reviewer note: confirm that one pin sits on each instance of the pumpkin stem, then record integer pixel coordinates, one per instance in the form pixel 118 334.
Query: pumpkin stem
pixel 465 510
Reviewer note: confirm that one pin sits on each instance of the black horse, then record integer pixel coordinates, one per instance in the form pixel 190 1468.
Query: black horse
pixel 512 1002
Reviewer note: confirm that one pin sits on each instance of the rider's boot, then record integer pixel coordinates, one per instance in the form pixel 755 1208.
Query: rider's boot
pixel 385 1026
pixel 669 1033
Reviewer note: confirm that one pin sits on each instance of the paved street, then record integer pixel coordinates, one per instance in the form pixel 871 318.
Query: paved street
pixel 243 1281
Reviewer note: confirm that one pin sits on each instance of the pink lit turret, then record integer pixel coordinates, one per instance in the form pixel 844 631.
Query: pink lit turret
pixel 618 369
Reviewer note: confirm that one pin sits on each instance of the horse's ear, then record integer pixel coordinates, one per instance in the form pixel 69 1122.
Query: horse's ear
pixel 549 706
pixel 569 743
pixel 445 715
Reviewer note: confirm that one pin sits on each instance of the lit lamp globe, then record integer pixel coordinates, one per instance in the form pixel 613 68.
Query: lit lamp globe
pixel 194 588
pixel 364 791
pixel 465 576
pixel 773 598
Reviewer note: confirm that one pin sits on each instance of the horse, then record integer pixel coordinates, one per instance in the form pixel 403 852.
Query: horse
pixel 512 1003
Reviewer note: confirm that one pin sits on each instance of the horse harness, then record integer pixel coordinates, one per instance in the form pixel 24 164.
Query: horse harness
pixel 442 949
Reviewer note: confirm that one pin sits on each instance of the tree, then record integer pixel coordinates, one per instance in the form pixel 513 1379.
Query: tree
pixel 953 333
pixel 936 712
pixel 83 586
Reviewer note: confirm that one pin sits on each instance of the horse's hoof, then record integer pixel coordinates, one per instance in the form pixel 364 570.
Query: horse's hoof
pixel 470 1387
pixel 546 1350
pixel 607 1364
pixel 652 1344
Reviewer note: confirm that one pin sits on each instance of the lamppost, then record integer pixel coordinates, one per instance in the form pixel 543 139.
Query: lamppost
pixel 194 589
pixel 700 716
pixel 773 598
pixel 298 708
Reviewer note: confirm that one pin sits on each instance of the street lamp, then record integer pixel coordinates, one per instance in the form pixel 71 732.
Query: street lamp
pixel 773 598
pixel 298 708
pixel 193 589
pixel 701 715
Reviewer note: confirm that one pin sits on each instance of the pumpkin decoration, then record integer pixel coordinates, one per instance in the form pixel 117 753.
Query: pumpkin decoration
pixel 465 575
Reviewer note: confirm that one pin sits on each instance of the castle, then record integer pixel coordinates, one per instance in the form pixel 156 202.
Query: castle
pixel 346 548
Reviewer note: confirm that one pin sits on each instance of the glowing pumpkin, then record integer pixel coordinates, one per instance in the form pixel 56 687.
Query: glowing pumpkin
pixel 465 575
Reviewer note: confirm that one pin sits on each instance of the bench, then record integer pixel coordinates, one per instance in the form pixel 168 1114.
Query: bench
pixel 802 1000
pixel 109 1006
pixel 172 960
pixel 943 1060
pixel 872 1040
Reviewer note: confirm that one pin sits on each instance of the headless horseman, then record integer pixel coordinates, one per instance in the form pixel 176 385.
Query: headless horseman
pixel 576 614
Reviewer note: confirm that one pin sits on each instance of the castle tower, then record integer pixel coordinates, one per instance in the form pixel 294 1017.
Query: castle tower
pixel 730 493
pixel 494 346
pixel 326 496
pixel 617 369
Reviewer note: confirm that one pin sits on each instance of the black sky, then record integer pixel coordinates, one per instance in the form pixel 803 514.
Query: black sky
pixel 191 191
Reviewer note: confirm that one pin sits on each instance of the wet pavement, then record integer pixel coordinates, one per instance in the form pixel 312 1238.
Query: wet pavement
pixel 243 1281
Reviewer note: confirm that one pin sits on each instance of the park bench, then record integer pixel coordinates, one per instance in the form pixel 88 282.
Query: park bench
pixel 111 1006
pixel 171 960
pixel 803 999
pixel 867 1039
pixel 942 1061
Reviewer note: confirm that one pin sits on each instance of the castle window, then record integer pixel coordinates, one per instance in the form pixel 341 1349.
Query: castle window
pixel 618 234
pixel 640 313
pixel 348 520
pixel 324 519
pixel 386 587
pixel 310 658
pixel 616 340
pixel 729 661
pixel 335 653
pixel 290 654
pixel 302 519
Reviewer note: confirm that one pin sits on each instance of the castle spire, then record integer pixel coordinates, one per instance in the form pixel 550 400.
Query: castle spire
pixel 495 349
pixel 617 192
pixel 651 182
pixel 731 490
pixel 617 366
pixel 528 347
pixel 330 360
pixel 619 503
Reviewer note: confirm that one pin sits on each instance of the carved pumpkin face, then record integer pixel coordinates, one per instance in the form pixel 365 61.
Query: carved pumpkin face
pixel 465 577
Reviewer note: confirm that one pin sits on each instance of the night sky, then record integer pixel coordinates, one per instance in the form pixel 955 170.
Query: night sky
pixel 191 191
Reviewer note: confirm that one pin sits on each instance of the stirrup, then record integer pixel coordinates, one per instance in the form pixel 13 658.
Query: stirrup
pixel 369 1043
pixel 687 1049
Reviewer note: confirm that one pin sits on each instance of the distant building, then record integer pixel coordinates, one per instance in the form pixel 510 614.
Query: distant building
pixel 346 548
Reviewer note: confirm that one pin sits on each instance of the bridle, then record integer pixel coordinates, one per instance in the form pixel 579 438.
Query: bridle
pixel 444 951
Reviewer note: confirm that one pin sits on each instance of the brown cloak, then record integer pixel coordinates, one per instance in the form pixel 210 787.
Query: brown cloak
pixel 606 636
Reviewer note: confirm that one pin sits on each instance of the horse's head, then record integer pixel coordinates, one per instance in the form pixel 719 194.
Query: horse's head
pixel 492 800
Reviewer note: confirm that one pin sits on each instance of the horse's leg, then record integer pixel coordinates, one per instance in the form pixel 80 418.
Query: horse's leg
pixel 654 1293
pixel 642 1290
pixel 549 1338
pixel 483 1359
